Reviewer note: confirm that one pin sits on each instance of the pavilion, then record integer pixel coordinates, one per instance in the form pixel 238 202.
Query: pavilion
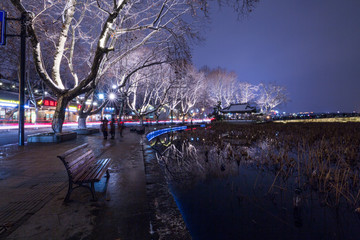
pixel 239 110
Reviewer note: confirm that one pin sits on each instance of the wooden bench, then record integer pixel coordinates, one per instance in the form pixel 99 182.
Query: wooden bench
pixel 83 169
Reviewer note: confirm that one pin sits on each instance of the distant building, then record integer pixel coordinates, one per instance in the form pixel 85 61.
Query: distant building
pixel 239 111
pixel 9 101
pixel 240 108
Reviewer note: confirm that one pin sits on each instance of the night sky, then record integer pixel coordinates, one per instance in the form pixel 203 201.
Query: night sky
pixel 310 46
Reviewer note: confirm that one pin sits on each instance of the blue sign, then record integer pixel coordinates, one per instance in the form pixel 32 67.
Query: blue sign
pixel 2 27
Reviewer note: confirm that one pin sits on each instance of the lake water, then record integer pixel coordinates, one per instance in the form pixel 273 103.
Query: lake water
pixel 223 199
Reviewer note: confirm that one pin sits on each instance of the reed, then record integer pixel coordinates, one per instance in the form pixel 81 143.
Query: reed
pixel 322 156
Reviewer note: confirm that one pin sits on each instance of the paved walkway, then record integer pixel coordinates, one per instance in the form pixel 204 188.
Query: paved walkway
pixel 33 184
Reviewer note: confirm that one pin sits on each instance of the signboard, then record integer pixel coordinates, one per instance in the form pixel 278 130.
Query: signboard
pixel 50 103
pixel 2 27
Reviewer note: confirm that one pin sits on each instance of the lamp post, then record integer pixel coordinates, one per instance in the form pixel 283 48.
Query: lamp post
pixel 22 36
pixel 22 79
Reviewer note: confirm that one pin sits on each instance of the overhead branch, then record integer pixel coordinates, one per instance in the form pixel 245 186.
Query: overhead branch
pixel 60 47
pixel 100 52
pixel 128 76
pixel 37 53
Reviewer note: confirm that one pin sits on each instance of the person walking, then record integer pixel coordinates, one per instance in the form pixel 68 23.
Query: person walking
pixel 104 127
pixel 112 128
pixel 121 127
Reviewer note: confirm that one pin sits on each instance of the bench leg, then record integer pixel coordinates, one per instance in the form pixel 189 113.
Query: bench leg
pixel 93 191
pixel 107 173
pixel 67 198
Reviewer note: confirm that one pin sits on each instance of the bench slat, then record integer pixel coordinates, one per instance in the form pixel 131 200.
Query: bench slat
pixel 93 173
pixel 82 164
pixel 63 156
pixel 83 167
pixel 104 166
pixel 80 159
pixel 87 173
pixel 78 154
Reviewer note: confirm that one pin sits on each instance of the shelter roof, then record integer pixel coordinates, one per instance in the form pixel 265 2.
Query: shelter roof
pixel 239 108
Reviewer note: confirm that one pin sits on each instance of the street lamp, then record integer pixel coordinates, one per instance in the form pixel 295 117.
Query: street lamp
pixel 112 96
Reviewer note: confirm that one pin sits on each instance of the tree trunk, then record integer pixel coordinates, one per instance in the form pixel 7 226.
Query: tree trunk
pixel 171 116
pixel 121 109
pixel 82 119
pixel 82 122
pixel 59 115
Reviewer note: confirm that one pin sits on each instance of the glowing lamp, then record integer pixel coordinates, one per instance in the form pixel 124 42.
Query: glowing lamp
pixel 112 96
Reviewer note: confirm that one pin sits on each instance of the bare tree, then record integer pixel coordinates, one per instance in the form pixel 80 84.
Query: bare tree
pixel 89 107
pixel 271 96
pixel 222 86
pixel 247 92
pixel 75 42
pixel 148 91
pixel 176 92
pixel 61 30
pixel 240 6
pixel 116 80
pixel 193 83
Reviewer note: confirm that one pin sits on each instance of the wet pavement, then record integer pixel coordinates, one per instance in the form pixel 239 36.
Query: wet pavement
pixel 33 184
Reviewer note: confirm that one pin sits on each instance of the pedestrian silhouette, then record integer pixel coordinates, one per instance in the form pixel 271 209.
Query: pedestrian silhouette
pixel 121 127
pixel 112 128
pixel 104 127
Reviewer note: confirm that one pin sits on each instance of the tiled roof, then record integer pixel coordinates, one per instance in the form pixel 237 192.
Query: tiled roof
pixel 238 108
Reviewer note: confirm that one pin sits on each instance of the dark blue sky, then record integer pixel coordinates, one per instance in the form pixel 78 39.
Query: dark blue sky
pixel 310 46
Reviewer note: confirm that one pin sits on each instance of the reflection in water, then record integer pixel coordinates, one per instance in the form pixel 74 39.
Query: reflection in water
pixel 228 190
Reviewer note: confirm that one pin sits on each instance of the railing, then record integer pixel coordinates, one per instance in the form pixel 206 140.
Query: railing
pixel 154 134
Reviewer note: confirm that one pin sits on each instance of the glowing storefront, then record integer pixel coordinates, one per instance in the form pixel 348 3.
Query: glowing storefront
pixel 9 102
pixel 47 108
